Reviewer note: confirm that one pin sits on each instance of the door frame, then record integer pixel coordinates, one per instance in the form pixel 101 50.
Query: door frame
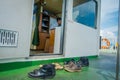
pixel 62 29
pixel 118 50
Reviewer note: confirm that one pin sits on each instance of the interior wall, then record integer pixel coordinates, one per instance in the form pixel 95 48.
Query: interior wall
pixel 16 15
pixel 80 40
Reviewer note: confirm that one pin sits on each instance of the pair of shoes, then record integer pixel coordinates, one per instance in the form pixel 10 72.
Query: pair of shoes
pixel 57 66
pixel 72 66
pixel 46 71
pixel 84 61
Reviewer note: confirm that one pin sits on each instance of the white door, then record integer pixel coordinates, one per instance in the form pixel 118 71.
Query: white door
pixel 82 28
pixel 15 28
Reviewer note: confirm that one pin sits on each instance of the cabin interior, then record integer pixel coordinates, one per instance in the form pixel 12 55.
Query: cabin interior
pixel 45 36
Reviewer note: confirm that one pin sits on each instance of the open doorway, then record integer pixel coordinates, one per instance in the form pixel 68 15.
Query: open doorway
pixel 47 27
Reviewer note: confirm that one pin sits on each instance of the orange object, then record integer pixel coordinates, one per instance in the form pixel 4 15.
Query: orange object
pixel 107 43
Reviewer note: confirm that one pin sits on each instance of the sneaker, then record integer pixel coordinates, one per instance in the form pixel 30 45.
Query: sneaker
pixel 84 61
pixel 69 64
pixel 69 61
pixel 72 67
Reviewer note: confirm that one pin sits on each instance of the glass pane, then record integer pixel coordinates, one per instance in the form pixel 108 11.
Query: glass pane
pixel 85 13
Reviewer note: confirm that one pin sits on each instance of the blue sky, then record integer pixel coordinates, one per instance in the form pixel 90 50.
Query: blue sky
pixel 109 18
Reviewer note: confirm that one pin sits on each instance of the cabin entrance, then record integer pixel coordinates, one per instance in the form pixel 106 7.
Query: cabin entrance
pixel 47 27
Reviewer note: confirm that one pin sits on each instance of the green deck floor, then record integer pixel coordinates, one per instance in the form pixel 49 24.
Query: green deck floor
pixel 86 74
pixel 93 72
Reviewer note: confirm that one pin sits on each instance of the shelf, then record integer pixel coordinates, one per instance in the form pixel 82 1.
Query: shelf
pixel 45 20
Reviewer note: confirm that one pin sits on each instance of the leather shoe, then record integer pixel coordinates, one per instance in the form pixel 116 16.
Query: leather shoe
pixel 47 71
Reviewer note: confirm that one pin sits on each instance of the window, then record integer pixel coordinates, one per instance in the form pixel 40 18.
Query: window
pixel 85 12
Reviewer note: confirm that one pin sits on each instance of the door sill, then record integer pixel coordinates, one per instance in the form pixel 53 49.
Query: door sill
pixel 31 58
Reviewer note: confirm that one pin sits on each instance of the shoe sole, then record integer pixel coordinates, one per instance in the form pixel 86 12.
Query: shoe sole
pixel 69 70
pixel 48 77
pixel 37 77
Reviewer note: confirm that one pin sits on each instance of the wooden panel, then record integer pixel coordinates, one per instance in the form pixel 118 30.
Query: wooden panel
pixel 43 37
pixel 52 38
pixel 47 45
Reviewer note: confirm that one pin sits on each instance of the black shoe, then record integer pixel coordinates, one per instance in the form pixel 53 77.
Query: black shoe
pixel 84 61
pixel 47 71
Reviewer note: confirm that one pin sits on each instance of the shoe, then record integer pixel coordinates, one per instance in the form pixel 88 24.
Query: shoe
pixel 72 67
pixel 69 61
pixel 37 73
pixel 84 61
pixel 46 71
pixel 40 66
pixel 68 64
pixel 58 66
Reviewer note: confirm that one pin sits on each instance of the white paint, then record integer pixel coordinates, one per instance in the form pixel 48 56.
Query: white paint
pixel 16 15
pixel 57 40
pixel 80 40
